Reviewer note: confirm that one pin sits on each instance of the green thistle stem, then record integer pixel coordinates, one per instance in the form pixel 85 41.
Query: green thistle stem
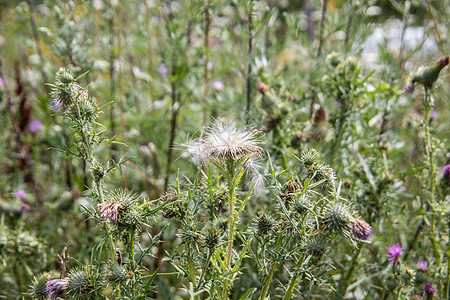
pixel 273 267
pixel 130 248
pixel 294 280
pixel 340 293
pixel 430 153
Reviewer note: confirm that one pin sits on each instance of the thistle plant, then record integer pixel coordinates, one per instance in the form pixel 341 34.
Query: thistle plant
pixel 120 212
pixel 233 151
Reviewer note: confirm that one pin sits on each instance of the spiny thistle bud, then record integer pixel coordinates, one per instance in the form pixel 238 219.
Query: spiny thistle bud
pixel 86 109
pixel 37 287
pixel 320 172
pixel 318 132
pixel 333 59
pixel 265 224
pixel 56 287
pixel 78 283
pixel 301 205
pixel 172 210
pixel 97 171
pixel 131 213
pixel 262 88
pixel 420 278
pixel 66 90
pixel 390 283
pixel 211 238
pixel 309 157
pixel 428 75
pixel 315 246
pixel 290 188
pixel 337 218
pixel 360 229
pixel 189 236
pixel 221 223
pixel 116 275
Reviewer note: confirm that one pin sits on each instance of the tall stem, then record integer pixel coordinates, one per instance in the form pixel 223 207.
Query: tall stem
pixel 322 24
pixel 249 54
pixel 273 267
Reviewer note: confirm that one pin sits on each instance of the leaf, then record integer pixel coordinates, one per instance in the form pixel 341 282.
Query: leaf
pixel 248 294
pixel 148 287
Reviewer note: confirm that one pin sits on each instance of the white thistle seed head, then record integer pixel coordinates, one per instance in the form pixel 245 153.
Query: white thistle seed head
pixel 223 141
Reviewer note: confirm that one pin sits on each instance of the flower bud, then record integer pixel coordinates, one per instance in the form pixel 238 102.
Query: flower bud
pixel 116 275
pixel 337 218
pixel 211 238
pixel 262 88
pixel 78 283
pixel 315 246
pixel 265 224
pixel 37 288
pixel 309 157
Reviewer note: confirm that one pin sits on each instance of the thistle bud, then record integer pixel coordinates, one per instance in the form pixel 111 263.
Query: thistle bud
pixel 428 75
pixel 320 172
pixel 315 246
pixel 337 218
pixel 265 224
pixel 172 210
pixel 78 283
pixel 211 238
pixel 290 188
pixel 65 91
pixel 301 205
pixel 116 275
pixel 309 157
pixel 37 287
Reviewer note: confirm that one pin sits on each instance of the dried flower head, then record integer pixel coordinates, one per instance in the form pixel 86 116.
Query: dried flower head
pixel 320 115
pixel 360 229
pixel 394 252
pixel 56 287
pixel 290 189
pixel 427 75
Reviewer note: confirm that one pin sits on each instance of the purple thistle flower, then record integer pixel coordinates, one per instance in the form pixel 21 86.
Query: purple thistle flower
pixel 56 287
pixel 109 210
pixel 162 70
pixel 338 104
pixel 410 88
pixel 35 126
pixel 429 290
pixel 24 208
pixel 218 85
pixel 209 65
pixel 433 114
pixel 394 252
pixel 57 104
pixel 2 81
pixel 213 42
pixel 21 194
pixel 422 265
pixel 446 172
pixel 361 229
